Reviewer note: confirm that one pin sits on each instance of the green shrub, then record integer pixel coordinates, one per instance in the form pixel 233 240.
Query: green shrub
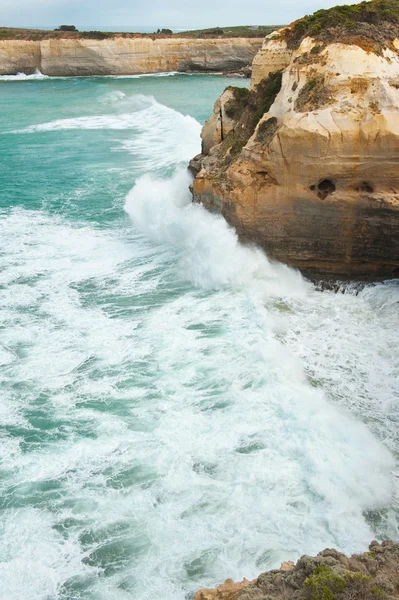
pixel 316 49
pixel 67 28
pixel 324 584
pixel 375 21
pixel 314 94
pixel 237 146
pixel 268 89
pixel 247 107
pixel 236 105
pixel 95 35
pixel 267 130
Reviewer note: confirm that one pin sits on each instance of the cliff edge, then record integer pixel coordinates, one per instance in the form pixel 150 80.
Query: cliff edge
pixel 330 575
pixel 305 163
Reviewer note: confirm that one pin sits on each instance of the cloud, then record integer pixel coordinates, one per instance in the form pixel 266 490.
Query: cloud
pixel 156 13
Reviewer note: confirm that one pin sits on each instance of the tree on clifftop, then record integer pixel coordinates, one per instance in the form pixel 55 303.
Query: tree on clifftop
pixel 66 28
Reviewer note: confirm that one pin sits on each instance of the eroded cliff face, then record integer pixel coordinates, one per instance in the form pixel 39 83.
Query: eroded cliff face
pixel 273 56
pixel 317 182
pixel 126 56
pixel 19 56
pixel 369 576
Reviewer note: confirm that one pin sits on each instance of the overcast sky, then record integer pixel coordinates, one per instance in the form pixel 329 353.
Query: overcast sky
pixel 155 13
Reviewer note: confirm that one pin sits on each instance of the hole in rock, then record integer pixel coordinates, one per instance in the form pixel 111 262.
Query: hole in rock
pixel 312 187
pixel 366 187
pixel 326 186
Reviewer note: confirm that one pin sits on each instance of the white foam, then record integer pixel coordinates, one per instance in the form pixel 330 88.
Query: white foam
pixel 161 137
pixel 211 255
pixel 23 77
pixel 218 420
pixel 39 559
pixel 187 402
pixel 139 76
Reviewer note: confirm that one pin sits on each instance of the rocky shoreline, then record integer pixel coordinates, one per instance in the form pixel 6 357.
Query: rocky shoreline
pixel 373 575
pixel 305 163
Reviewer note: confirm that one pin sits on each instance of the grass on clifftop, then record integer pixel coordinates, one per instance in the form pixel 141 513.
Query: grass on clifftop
pixel 371 25
pixel 247 31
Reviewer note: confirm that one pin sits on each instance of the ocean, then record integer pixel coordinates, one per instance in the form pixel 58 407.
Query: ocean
pixel 176 409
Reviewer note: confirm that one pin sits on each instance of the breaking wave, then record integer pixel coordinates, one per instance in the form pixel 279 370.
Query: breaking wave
pixel 23 77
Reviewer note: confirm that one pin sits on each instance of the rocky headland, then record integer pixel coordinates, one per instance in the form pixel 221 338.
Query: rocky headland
pixel 115 55
pixel 330 575
pixel 306 162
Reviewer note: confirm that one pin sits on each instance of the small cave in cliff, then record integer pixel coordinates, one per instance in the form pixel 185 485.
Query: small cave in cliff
pixel 365 187
pixel 324 188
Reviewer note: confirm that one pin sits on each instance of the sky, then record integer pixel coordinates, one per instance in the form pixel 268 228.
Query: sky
pixel 133 14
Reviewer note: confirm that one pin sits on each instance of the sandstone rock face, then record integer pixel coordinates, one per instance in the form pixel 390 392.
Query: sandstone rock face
pixel 225 591
pixel 273 56
pixel 219 125
pixel 126 56
pixel 369 576
pixel 320 191
pixel 19 57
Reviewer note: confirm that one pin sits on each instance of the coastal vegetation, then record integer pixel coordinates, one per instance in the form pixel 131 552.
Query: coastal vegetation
pixel 247 107
pixel 70 32
pixel 66 28
pixel 329 576
pixel 325 584
pixel 238 31
pixel 371 25
pixel 314 94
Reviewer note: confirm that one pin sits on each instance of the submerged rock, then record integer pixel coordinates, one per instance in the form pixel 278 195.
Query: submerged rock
pixel 330 575
pixel 309 171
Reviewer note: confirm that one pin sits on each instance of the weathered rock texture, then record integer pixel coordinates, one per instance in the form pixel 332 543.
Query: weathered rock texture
pixel 330 575
pixel 273 56
pixel 219 125
pixel 126 56
pixel 316 181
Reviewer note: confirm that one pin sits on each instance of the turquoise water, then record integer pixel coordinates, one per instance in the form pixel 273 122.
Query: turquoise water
pixel 175 409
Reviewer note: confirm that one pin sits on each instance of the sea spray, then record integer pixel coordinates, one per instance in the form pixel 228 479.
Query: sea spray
pixel 209 251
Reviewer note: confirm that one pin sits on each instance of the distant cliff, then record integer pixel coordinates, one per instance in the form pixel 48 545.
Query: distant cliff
pixel 126 56
pixel 306 163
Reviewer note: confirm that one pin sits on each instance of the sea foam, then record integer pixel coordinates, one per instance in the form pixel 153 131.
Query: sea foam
pixel 179 409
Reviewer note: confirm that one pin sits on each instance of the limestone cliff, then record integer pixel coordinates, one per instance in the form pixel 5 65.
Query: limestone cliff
pixel 311 172
pixel 329 576
pixel 126 56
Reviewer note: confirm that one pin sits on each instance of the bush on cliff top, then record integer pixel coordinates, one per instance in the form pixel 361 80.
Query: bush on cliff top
pixel 324 584
pixel 376 21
